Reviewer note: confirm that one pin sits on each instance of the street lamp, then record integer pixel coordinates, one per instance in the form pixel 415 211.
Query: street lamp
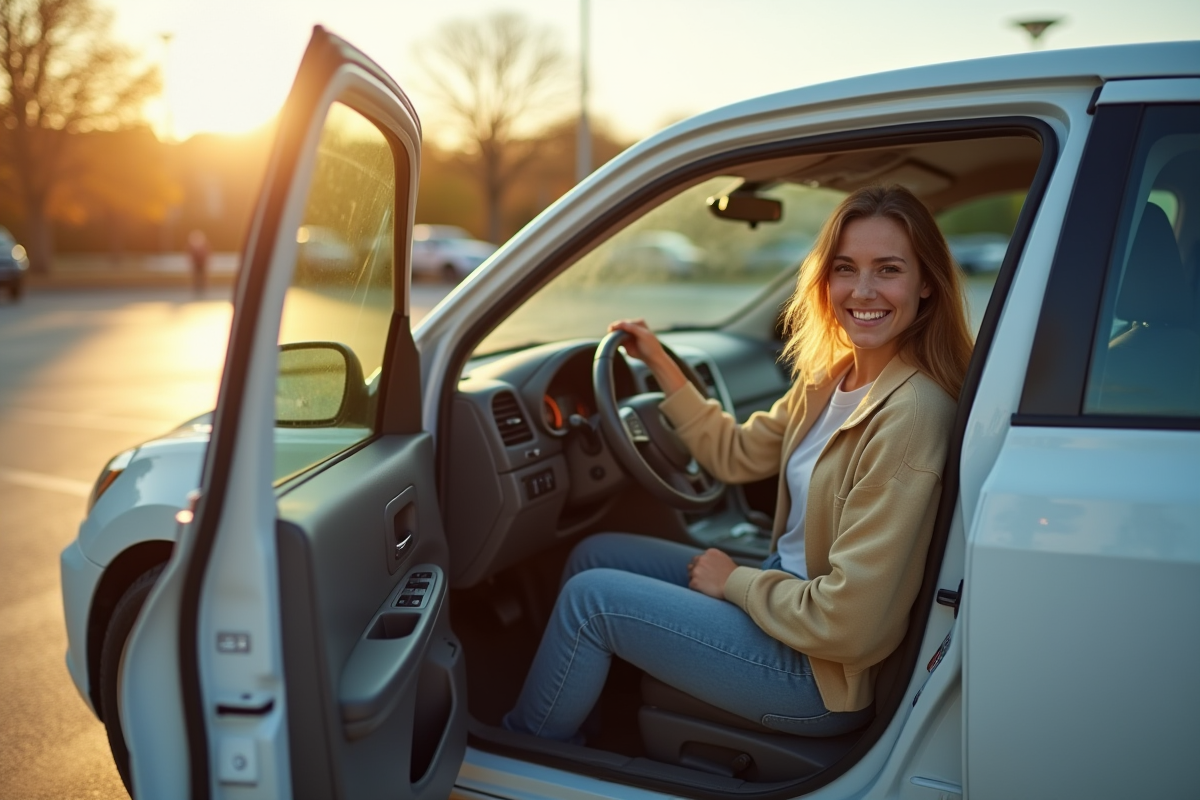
pixel 1035 28
pixel 168 113
pixel 583 139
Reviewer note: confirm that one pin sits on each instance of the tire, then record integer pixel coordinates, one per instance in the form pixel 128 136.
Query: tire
pixel 112 653
pixel 449 273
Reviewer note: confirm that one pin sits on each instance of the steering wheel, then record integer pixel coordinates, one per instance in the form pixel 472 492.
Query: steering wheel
pixel 643 440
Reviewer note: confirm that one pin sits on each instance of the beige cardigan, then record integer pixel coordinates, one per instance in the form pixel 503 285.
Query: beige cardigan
pixel 871 505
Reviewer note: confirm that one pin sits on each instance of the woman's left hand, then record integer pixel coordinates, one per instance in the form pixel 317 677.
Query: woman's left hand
pixel 708 572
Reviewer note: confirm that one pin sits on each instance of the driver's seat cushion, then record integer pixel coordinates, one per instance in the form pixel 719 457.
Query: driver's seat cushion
pixel 657 694
pixel 678 728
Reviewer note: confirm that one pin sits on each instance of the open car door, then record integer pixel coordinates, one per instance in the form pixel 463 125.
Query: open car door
pixel 298 643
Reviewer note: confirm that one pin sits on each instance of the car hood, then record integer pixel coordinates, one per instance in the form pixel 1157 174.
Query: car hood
pixel 295 448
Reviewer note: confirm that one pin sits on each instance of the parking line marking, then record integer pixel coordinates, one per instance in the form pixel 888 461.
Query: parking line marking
pixel 50 483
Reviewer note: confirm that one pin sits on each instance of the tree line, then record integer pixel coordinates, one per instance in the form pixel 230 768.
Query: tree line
pixel 81 170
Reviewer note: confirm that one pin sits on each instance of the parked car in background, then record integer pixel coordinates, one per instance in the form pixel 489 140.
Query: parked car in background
pixel 13 265
pixel 784 253
pixel 322 249
pixel 658 254
pixel 358 479
pixel 447 252
pixel 978 252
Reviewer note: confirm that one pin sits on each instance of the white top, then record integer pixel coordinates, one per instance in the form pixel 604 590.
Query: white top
pixel 799 473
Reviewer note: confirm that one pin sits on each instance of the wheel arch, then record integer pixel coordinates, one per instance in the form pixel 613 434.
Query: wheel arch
pixel 118 577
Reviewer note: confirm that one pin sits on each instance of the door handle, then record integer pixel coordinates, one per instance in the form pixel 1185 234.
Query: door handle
pixel 400 528
pixel 401 545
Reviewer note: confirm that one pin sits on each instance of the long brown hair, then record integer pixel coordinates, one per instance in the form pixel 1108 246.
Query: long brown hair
pixel 938 342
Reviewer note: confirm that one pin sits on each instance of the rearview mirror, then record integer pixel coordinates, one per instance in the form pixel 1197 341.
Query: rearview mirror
pixel 320 384
pixel 742 206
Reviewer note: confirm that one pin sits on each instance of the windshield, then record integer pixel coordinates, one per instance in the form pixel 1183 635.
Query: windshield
pixel 678 266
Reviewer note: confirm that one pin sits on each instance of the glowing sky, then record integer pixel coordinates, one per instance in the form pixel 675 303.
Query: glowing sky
pixel 230 62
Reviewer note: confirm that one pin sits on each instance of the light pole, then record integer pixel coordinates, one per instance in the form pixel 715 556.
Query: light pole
pixel 583 138
pixel 1035 28
pixel 168 113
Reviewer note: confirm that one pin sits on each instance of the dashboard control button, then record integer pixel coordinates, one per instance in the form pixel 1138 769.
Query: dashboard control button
pixel 539 484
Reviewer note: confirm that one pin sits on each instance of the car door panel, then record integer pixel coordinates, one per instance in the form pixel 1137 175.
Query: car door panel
pixel 390 670
pixel 1073 584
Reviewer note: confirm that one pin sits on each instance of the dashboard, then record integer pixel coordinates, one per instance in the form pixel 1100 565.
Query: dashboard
pixel 528 465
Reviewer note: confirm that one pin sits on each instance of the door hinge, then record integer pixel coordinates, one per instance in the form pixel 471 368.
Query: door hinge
pixel 946 597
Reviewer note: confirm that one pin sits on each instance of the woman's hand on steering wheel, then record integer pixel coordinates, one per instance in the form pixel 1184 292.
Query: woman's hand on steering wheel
pixel 641 438
pixel 645 346
pixel 708 572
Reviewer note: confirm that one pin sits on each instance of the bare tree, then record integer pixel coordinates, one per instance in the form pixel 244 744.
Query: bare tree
pixel 61 73
pixel 496 78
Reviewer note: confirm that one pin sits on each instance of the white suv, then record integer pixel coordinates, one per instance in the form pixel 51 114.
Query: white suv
pixel 350 601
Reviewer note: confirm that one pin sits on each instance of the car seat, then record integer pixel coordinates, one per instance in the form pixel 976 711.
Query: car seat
pixel 680 729
pixel 1153 366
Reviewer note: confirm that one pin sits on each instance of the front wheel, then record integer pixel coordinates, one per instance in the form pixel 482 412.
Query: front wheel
pixel 112 658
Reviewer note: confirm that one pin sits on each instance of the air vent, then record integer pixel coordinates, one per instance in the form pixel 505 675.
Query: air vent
pixel 510 420
pixel 706 375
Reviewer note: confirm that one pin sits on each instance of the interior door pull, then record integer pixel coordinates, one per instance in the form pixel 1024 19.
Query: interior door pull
pixel 402 544
pixel 400 529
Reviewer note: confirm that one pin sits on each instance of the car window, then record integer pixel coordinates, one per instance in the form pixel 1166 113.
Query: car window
pixel 1146 353
pixel 978 231
pixel 677 266
pixel 337 310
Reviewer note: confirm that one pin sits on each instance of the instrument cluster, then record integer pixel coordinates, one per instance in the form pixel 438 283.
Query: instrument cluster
pixel 558 407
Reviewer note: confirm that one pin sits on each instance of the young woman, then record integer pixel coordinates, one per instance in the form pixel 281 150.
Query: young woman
pixel 879 345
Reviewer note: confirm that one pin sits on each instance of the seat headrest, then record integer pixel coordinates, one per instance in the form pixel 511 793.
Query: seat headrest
pixel 1154 289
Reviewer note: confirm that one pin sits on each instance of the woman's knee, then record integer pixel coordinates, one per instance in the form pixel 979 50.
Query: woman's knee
pixel 589 598
pixel 596 551
pixel 584 592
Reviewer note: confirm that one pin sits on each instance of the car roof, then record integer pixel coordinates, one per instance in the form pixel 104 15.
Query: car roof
pixel 1092 65
pixel 940 173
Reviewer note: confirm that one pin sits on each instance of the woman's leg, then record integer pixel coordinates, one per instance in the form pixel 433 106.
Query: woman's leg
pixel 630 552
pixel 708 648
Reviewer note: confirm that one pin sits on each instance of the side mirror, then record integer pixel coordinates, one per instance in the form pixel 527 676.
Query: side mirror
pixel 320 385
pixel 744 206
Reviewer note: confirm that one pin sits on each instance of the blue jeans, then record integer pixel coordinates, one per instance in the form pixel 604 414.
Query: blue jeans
pixel 627 595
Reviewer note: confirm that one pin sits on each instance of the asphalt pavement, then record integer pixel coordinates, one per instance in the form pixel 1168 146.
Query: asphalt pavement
pixel 83 375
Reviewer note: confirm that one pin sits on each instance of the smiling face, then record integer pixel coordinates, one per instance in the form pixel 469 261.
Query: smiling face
pixel 875 288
